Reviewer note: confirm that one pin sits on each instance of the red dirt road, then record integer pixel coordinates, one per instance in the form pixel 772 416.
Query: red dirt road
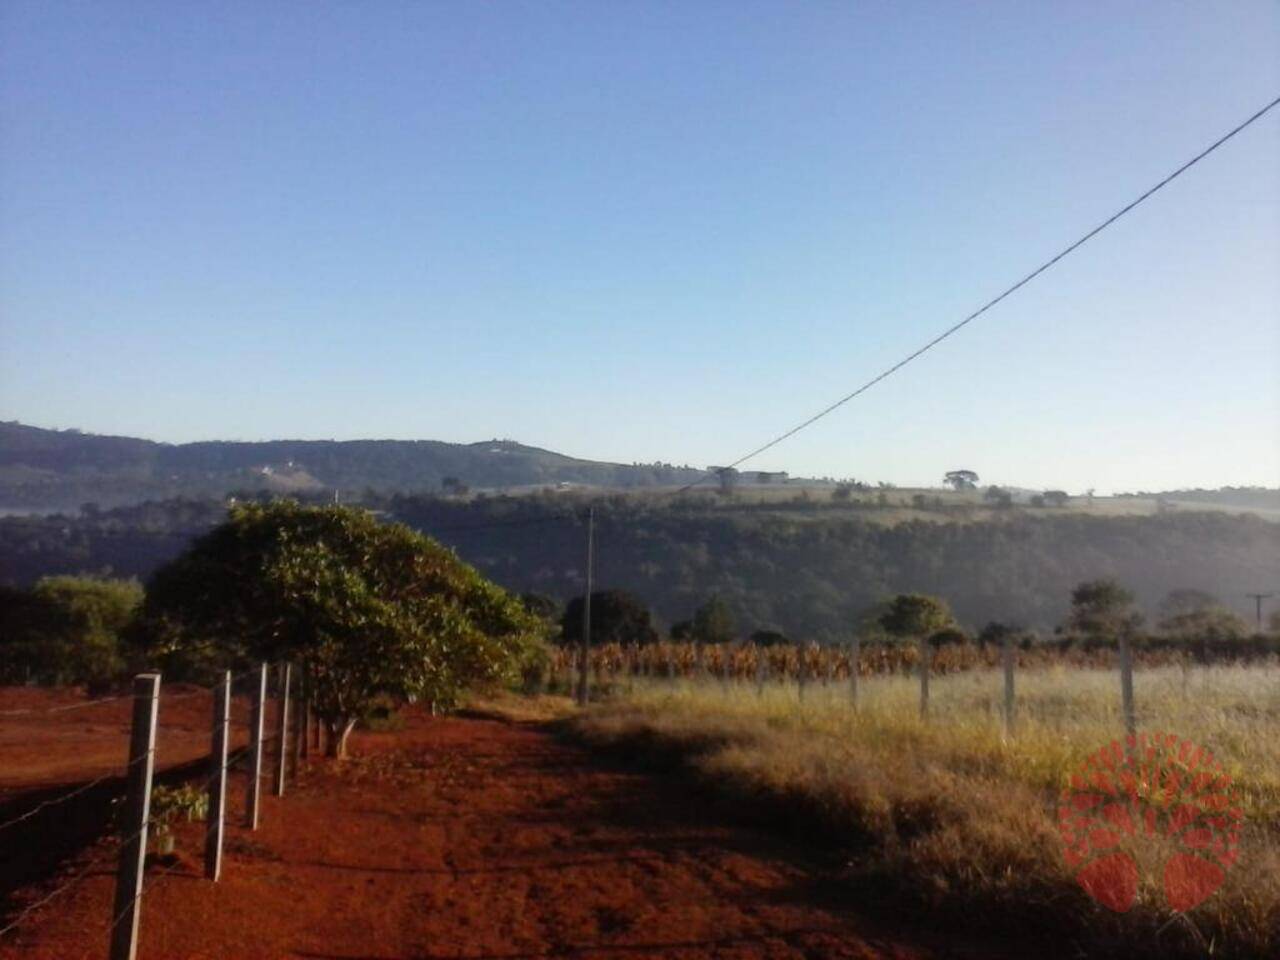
pixel 473 838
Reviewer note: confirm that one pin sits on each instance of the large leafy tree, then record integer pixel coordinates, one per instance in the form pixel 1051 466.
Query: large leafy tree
pixel 1195 615
pixel 1103 609
pixel 961 479
pixel 367 609
pixel 915 615
pixel 66 630
pixel 616 617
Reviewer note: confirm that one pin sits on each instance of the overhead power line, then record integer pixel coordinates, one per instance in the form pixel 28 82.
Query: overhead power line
pixel 954 328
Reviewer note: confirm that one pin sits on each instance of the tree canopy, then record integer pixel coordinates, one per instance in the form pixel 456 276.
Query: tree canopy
pixel 616 617
pixel 1103 608
pixel 66 630
pixel 961 479
pixel 1196 615
pixel 916 615
pixel 366 609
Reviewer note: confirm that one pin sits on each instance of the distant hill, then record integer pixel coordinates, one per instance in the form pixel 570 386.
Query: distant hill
pixel 63 469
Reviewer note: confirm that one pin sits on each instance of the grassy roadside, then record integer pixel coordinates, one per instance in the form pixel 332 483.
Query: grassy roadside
pixel 951 818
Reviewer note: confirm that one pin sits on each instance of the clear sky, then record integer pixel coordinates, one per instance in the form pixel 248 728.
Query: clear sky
pixel 651 231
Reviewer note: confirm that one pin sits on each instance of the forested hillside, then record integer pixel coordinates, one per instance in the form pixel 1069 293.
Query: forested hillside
pixel 808 570
pixel 63 469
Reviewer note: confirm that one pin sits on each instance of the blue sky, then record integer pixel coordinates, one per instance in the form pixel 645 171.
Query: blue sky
pixel 651 231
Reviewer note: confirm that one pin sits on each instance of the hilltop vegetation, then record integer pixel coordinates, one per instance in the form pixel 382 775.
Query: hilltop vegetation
pixel 809 570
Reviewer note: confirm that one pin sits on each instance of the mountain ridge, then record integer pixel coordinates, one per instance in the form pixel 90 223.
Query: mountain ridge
pixel 66 468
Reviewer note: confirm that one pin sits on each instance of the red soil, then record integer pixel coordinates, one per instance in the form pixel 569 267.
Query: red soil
pixel 470 838
pixel 66 737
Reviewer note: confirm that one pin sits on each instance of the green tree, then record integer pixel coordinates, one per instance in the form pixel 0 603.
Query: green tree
pixel 1195 615
pixel 616 617
pixel 67 630
pixel 961 479
pixel 541 605
pixel 713 622
pixel 368 610
pixel 915 615
pixel 996 632
pixel 1103 609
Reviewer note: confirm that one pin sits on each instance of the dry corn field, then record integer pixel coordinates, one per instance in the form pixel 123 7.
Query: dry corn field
pixel 957 814
pixel 814 663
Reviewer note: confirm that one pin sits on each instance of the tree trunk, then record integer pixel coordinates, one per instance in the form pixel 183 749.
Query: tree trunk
pixel 339 730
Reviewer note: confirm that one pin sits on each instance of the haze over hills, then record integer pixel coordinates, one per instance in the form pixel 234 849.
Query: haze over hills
pixel 63 469
pixel 45 470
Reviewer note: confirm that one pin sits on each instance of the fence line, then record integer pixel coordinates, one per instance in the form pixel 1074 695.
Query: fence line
pixel 805 665
pixel 139 773
pixel 70 795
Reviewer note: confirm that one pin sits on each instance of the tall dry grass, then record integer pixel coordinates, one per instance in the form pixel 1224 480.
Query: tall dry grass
pixel 951 812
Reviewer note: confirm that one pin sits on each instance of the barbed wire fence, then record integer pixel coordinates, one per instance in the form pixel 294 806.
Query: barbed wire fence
pixel 809 668
pixel 124 795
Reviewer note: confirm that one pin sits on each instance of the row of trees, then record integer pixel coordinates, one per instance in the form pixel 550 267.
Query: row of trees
pixel 805 570
pixel 1099 609
pixel 364 609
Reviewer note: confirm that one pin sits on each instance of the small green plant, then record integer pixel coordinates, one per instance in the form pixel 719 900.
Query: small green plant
pixel 170 802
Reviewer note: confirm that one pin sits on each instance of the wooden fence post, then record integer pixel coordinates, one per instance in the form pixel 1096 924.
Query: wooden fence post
pixel 137 813
pixel 1007 656
pixel 802 672
pixel 286 673
pixel 1126 685
pixel 855 661
pixel 218 784
pixel 924 677
pixel 253 794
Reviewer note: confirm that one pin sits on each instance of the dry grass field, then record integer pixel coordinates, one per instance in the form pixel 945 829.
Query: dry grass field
pixel 950 813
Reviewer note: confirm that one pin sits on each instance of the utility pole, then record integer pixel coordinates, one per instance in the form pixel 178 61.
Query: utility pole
pixel 1257 605
pixel 586 610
